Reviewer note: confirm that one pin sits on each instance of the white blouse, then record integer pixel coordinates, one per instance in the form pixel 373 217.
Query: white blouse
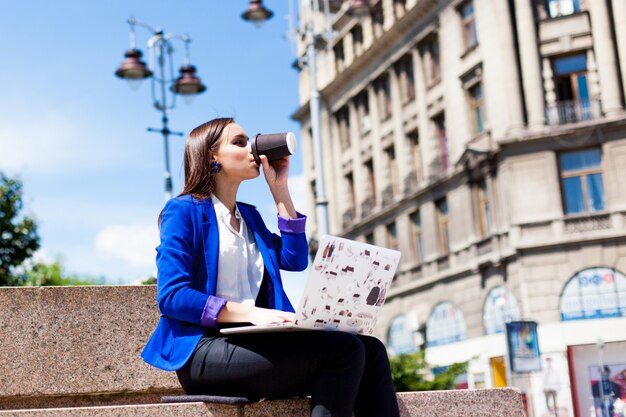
pixel 240 266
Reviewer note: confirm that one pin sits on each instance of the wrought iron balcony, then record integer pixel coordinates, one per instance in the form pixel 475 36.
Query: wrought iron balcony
pixel 572 111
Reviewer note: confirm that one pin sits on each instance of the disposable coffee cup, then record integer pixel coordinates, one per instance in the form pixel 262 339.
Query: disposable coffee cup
pixel 273 145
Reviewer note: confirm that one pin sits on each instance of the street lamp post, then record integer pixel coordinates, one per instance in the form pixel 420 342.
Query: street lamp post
pixel 187 84
pixel 358 9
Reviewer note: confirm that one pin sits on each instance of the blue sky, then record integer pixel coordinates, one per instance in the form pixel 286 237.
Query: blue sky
pixel 76 135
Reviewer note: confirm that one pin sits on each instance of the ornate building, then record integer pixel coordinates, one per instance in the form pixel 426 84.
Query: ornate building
pixel 486 140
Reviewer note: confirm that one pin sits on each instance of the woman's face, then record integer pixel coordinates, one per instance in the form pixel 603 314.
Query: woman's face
pixel 235 154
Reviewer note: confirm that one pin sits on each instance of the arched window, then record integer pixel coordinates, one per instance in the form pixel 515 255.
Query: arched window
pixel 500 307
pixel 594 293
pixel 401 338
pixel 445 325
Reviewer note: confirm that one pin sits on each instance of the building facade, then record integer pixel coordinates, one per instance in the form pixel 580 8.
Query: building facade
pixel 486 140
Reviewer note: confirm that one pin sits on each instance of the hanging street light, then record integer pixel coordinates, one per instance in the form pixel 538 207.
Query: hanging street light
pixel 257 13
pixel 187 84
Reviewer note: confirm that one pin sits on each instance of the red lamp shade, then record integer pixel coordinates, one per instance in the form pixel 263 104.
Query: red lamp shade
pixel 133 68
pixel 187 83
pixel 257 13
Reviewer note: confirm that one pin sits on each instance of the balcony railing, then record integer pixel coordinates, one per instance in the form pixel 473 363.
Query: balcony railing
pixel 572 111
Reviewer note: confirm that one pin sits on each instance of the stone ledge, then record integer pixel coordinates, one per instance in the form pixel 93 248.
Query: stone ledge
pixel 79 348
pixel 506 402
pixel 78 340
pixel 86 400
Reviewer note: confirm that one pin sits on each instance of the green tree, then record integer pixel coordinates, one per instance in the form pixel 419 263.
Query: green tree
pixel 149 281
pixel 411 372
pixel 43 274
pixel 18 233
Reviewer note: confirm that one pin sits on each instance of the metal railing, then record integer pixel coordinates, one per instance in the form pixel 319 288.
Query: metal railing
pixel 572 111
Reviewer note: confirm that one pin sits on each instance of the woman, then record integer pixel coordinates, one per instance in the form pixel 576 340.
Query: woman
pixel 218 264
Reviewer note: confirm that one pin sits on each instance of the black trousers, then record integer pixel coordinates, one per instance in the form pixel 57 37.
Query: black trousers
pixel 343 373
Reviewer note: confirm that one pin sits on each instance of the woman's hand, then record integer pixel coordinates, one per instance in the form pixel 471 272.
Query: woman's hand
pixel 266 316
pixel 239 313
pixel 277 174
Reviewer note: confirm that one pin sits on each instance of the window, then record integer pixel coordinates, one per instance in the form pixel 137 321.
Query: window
pixel 361 102
pixel 404 69
pixel 340 60
pixel 571 87
pixel 369 238
pixel 342 118
pixel 594 293
pixel 400 337
pixel 371 179
pixel 378 19
pixel 442 138
pixel 383 96
pixel 558 8
pixel 392 236
pixel 446 324
pixel 581 181
pixel 442 226
pixel 416 153
pixel 416 232
pixel 430 54
pixel 393 170
pixel 476 104
pixel 484 209
pixel 500 308
pixel 470 38
pixel 357 39
pixel 350 186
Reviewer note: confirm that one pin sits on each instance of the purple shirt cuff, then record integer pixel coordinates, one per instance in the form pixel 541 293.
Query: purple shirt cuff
pixel 297 225
pixel 211 310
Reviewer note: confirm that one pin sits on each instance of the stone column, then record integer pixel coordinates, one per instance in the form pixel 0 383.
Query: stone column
pixel 358 172
pixel 501 81
pixel 423 122
pixel 403 155
pixel 378 159
pixel 531 67
pixel 420 109
pixel 507 57
pixel 548 85
pixel 605 57
pixel 339 182
pixel 619 17
pixel 331 168
pixel 594 85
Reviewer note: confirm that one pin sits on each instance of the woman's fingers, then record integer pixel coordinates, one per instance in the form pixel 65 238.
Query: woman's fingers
pixel 276 171
pixel 265 316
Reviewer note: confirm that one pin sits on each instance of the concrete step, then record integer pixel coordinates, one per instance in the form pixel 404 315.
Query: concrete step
pixel 276 408
pixel 504 402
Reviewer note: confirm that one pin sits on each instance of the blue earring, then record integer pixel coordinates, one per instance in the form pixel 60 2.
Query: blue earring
pixel 216 167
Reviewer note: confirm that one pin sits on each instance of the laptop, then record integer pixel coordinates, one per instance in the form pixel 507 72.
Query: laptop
pixel 346 289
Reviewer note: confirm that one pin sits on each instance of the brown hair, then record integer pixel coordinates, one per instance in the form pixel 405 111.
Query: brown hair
pixel 200 146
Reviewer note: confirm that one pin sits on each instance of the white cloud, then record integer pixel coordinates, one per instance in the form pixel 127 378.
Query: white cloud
pixel 133 244
pixel 38 145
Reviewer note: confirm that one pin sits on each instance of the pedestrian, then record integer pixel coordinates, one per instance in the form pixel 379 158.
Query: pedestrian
pixel 551 385
pixel 218 265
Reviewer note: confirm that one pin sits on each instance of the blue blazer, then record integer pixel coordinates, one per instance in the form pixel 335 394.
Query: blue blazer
pixel 187 273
